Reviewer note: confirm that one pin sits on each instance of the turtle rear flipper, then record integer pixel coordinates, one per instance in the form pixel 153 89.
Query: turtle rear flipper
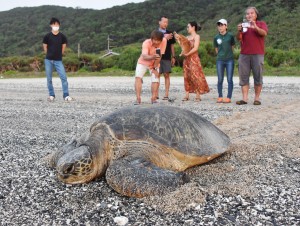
pixel 137 177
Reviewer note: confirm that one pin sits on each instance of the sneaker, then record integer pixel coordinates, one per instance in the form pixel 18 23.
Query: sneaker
pixel 51 98
pixel 220 100
pixel 68 98
pixel 226 100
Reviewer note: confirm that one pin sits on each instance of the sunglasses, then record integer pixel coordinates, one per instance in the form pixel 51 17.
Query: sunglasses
pixel 220 25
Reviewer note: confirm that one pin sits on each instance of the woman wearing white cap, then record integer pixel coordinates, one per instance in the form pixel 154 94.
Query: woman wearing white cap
pixel 224 43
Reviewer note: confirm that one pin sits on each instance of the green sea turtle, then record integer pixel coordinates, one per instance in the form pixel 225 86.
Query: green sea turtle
pixel 141 150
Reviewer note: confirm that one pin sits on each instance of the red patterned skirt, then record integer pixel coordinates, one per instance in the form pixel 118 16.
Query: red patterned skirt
pixel 194 78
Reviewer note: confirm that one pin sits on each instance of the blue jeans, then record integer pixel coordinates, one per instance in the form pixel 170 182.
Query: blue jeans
pixel 221 65
pixel 60 69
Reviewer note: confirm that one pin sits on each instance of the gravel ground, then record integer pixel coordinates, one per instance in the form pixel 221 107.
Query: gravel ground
pixel 255 183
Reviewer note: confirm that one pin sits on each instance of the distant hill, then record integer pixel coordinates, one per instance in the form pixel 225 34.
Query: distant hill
pixel 22 29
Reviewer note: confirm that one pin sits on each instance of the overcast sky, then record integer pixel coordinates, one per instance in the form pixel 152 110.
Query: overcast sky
pixel 87 4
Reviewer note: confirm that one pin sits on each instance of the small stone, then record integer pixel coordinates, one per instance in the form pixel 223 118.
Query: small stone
pixel 121 220
pixel 258 207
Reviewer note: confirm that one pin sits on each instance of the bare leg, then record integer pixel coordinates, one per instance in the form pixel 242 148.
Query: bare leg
pixel 157 92
pixel 138 88
pixel 257 89
pixel 154 90
pixel 245 91
pixel 167 84
pixel 186 96
pixel 198 98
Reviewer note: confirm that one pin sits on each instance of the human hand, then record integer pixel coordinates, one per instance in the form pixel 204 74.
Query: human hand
pixel 176 35
pixel 173 60
pixel 253 24
pixel 157 56
pixel 155 72
pixel 168 36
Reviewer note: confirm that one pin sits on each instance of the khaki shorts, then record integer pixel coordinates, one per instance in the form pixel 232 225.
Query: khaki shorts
pixel 141 70
pixel 254 62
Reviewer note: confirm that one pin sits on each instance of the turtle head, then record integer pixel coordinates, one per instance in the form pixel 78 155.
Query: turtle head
pixel 77 166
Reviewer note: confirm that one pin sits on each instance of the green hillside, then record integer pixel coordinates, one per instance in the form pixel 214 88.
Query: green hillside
pixel 22 29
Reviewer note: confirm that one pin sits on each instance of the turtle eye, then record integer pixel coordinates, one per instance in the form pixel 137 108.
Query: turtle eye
pixel 68 168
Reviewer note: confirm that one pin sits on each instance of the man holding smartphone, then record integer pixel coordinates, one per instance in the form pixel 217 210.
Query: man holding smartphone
pixel 168 58
pixel 149 60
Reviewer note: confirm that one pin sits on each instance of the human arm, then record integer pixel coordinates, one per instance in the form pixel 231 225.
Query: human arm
pixel 259 30
pixel 63 48
pixel 173 59
pixel 45 48
pixel 150 57
pixel 216 50
pixel 239 32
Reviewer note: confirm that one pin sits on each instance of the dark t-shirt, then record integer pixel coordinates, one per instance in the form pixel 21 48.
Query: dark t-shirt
pixel 54 45
pixel 224 44
pixel 168 52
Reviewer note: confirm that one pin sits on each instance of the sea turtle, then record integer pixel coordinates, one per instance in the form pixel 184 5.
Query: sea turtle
pixel 142 150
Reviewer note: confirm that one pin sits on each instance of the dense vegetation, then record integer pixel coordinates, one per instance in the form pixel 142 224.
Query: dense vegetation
pixel 22 31
pixel 127 60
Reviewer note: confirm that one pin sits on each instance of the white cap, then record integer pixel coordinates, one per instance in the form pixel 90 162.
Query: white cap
pixel 222 21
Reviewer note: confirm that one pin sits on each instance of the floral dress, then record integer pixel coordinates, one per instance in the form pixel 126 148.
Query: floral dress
pixel 194 78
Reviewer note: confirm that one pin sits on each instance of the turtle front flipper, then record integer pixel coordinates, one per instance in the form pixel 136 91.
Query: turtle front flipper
pixel 137 177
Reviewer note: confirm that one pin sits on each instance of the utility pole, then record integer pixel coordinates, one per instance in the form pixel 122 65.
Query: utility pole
pixel 78 50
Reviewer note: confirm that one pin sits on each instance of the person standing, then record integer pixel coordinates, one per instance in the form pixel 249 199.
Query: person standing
pixel 167 59
pixel 194 79
pixel 224 43
pixel 251 35
pixel 54 45
pixel 149 60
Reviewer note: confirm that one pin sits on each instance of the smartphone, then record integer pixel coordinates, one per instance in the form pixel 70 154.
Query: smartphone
pixel 157 51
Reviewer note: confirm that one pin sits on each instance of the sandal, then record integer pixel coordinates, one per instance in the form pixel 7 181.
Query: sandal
pixel 197 99
pixel 185 99
pixel 257 102
pixel 241 102
pixel 165 98
pixel 220 100
pixel 226 100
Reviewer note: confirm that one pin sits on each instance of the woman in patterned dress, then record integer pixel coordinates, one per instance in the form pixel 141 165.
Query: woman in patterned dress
pixel 194 79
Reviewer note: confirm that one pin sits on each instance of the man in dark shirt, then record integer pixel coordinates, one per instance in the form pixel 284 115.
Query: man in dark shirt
pixel 167 59
pixel 54 44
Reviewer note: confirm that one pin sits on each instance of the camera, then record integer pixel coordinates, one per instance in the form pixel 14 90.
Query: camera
pixel 157 51
pixel 246 24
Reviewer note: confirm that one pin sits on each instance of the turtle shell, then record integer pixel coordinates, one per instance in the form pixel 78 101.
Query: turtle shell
pixel 173 127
